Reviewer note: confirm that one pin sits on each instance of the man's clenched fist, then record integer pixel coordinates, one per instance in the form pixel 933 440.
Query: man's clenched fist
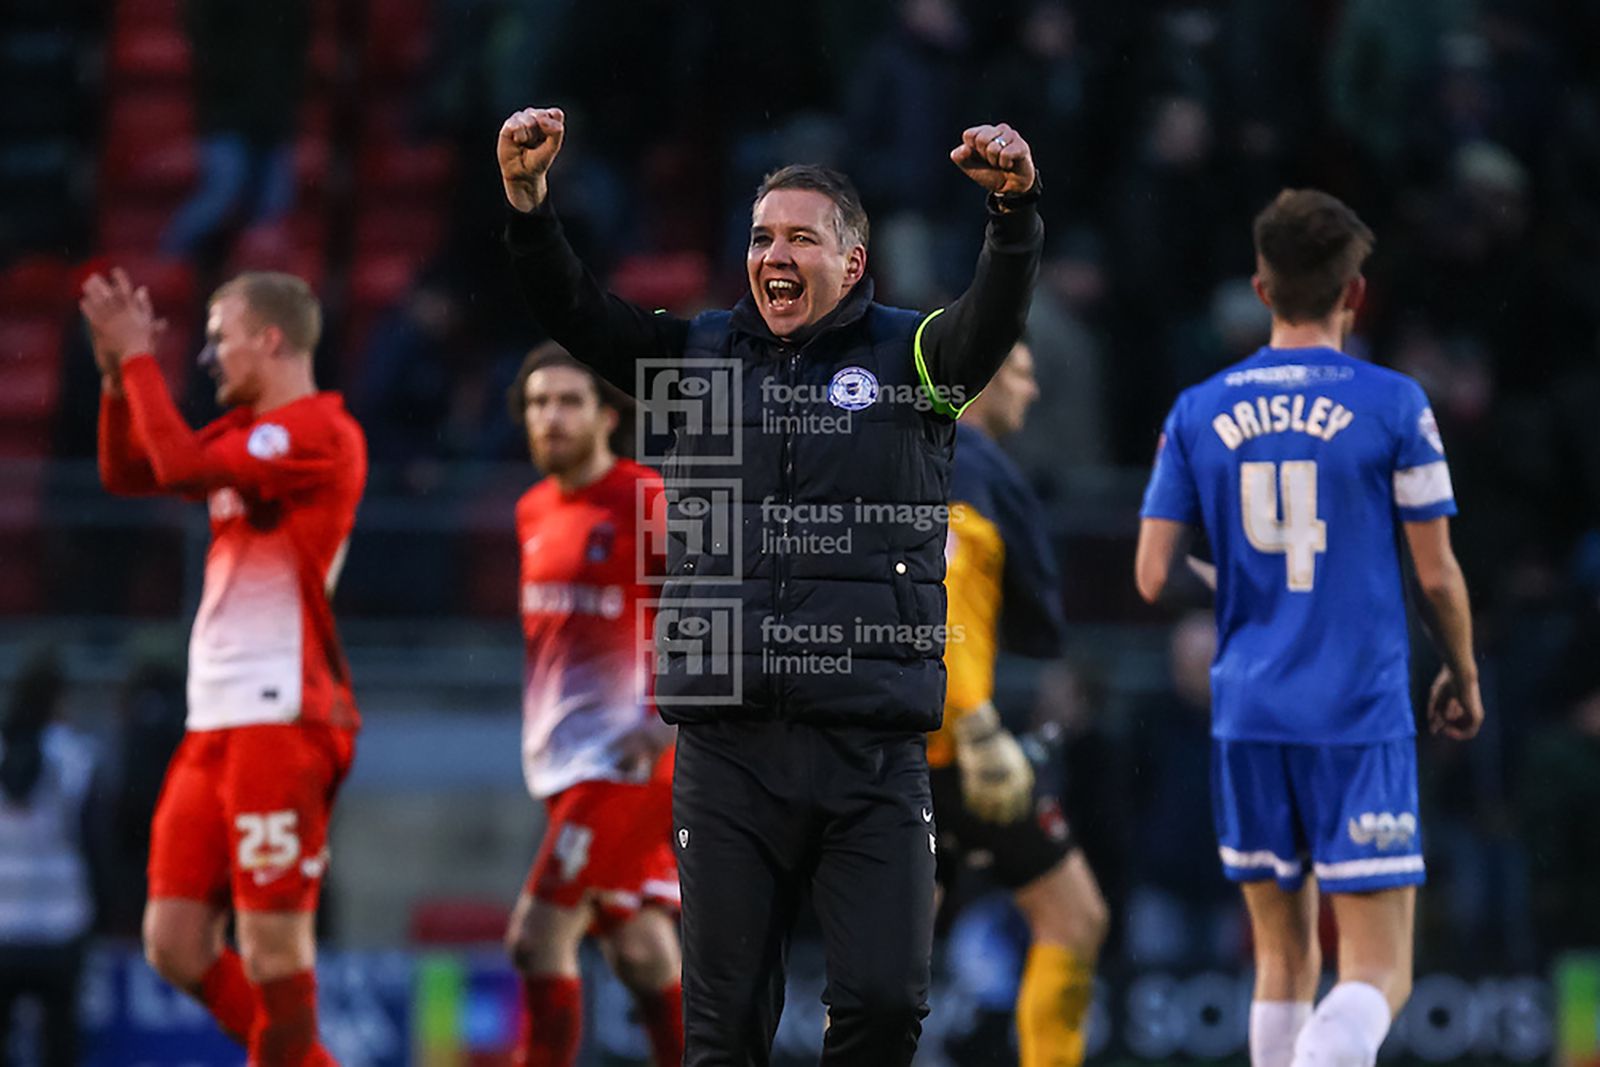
pixel 530 140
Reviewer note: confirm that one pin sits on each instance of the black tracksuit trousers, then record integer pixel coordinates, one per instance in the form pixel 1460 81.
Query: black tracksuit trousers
pixel 762 809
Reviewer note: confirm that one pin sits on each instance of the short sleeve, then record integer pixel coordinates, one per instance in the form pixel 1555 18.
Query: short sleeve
pixel 1422 487
pixel 1171 493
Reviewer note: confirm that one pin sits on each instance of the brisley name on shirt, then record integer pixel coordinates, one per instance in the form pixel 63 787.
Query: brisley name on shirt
pixel 1286 412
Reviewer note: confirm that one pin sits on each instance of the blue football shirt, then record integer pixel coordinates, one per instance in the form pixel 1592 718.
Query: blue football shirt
pixel 1300 464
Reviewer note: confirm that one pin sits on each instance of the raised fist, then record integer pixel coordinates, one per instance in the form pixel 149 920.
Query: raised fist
pixel 997 158
pixel 530 140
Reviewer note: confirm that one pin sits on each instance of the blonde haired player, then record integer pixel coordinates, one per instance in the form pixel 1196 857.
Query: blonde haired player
pixel 243 816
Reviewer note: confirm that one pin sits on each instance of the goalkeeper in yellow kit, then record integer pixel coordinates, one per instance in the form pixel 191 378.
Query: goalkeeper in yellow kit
pixel 1003 589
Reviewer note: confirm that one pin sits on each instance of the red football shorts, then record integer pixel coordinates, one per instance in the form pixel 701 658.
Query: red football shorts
pixel 609 842
pixel 243 815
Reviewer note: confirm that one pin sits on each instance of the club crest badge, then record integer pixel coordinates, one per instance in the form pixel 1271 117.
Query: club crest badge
pixel 853 388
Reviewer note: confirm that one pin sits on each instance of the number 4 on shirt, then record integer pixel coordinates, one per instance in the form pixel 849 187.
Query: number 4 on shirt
pixel 1298 535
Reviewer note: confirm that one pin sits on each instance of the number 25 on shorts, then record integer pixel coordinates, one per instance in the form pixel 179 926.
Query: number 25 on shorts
pixel 268 840
pixel 1299 536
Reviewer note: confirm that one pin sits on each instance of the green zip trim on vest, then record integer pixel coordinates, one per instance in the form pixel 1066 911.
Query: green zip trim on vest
pixel 943 407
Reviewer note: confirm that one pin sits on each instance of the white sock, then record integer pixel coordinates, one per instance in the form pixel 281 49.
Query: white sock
pixel 1345 1030
pixel 1274 1024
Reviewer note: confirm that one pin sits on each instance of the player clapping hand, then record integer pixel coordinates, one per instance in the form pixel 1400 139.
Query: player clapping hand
pixel 122 320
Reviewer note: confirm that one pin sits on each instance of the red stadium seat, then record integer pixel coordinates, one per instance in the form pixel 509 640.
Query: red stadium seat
pixel 415 170
pixel 30 350
pixel 415 231
pixel 166 168
pixel 149 145
pixel 147 14
pixel 322 55
pixel 677 281
pixel 397 39
pixel 135 228
pixel 36 285
pixel 378 280
pixel 21 567
pixel 157 55
pixel 156 114
pixel 294 246
pixel 313 154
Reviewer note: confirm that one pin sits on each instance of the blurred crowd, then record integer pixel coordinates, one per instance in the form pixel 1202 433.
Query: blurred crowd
pixel 353 142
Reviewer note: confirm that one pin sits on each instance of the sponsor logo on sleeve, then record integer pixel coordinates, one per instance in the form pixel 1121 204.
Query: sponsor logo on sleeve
pixel 1429 427
pixel 268 441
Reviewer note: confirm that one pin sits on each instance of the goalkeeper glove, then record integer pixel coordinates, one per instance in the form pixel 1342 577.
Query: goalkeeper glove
pixel 996 777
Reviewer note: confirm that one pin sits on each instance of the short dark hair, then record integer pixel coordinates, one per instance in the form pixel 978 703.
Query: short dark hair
pixel 849 217
pixel 281 300
pixel 552 354
pixel 1310 246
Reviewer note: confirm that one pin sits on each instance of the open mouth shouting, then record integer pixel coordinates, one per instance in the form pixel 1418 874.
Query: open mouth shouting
pixel 783 294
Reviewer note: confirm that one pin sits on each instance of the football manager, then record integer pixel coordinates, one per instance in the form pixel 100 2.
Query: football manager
pixel 800 635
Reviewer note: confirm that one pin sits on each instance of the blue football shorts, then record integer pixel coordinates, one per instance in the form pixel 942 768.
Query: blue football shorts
pixel 1346 813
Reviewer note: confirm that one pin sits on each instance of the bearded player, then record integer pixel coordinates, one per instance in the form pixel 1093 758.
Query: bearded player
pixel 242 821
pixel 593 748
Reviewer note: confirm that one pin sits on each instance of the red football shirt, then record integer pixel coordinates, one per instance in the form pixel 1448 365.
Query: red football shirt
pixel 282 487
pixel 586 709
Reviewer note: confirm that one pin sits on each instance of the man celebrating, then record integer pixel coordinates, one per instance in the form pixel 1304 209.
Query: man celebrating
pixel 1005 589
pixel 1301 462
pixel 243 816
pixel 593 748
pixel 804 668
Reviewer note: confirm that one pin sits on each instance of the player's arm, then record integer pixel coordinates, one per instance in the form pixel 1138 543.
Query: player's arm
pixel 272 462
pixel 1455 706
pixel 1167 520
pixel 601 329
pixel 958 349
pixel 1161 542
pixel 1424 500
pixel 996 777
pixel 124 467
pixel 124 464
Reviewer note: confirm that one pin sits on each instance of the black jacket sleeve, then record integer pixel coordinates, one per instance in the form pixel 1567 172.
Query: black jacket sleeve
pixel 958 350
pixel 1032 620
pixel 599 328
